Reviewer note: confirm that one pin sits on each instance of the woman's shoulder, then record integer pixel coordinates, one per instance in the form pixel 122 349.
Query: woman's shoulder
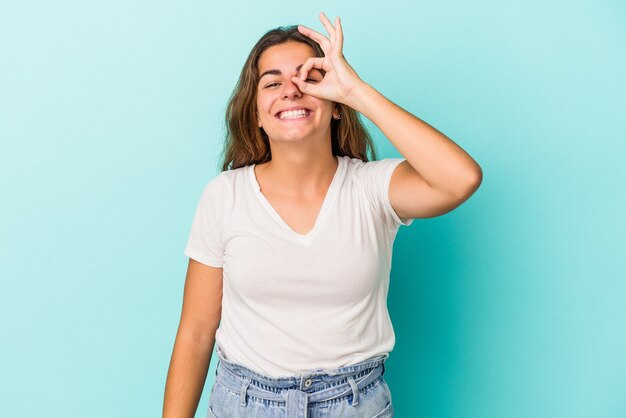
pixel 233 174
pixel 359 165
pixel 225 180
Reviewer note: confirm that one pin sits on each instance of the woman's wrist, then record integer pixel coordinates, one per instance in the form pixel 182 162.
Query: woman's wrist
pixel 360 96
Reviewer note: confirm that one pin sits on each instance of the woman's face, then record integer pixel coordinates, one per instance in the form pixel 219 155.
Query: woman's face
pixel 283 111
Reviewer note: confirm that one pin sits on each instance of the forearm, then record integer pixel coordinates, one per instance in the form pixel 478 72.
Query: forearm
pixel 186 376
pixel 441 162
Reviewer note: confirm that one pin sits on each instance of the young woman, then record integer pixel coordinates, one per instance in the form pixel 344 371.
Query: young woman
pixel 290 247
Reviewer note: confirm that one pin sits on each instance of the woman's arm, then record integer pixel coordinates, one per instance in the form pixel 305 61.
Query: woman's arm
pixel 195 339
pixel 438 174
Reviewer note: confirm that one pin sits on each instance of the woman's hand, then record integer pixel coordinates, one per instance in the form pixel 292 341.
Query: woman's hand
pixel 340 79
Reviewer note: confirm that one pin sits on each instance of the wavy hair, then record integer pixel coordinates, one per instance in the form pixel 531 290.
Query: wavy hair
pixel 247 144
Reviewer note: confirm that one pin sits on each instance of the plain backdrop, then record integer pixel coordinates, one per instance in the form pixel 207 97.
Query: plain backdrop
pixel 111 123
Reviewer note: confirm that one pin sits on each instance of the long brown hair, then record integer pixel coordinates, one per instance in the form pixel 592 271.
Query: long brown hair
pixel 247 144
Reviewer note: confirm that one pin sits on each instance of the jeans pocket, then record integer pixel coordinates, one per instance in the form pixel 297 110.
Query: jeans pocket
pixel 212 396
pixel 384 384
pixel 223 402
pixel 210 413
pixel 387 412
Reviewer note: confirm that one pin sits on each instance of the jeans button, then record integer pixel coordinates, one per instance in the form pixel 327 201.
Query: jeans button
pixel 308 383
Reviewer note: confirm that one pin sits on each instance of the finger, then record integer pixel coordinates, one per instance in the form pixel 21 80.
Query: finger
pixel 309 64
pixel 329 27
pixel 303 86
pixel 317 37
pixel 338 35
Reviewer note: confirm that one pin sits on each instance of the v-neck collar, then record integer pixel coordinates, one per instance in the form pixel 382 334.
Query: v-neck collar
pixel 322 215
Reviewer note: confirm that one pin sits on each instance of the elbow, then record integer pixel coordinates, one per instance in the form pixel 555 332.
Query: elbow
pixel 471 182
pixel 476 178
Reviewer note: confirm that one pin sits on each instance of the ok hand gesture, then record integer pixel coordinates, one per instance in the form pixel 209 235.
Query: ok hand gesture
pixel 340 79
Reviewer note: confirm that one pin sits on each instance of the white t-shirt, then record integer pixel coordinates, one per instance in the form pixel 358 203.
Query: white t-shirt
pixel 293 303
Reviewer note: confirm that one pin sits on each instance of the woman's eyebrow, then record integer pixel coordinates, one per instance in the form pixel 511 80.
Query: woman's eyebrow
pixel 278 72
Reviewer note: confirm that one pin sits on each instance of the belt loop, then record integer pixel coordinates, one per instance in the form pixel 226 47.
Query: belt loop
pixel 383 368
pixel 355 391
pixel 244 391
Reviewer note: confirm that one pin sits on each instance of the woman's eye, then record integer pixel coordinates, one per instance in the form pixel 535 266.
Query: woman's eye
pixel 308 80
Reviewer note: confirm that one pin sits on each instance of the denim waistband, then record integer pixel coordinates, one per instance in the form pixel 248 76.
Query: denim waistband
pixel 299 390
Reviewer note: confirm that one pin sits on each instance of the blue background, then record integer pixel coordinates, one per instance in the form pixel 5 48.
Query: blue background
pixel 513 305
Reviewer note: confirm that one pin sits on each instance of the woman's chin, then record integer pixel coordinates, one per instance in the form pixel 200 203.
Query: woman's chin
pixel 293 135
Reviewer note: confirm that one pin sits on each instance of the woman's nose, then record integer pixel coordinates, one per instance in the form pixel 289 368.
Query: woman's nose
pixel 290 90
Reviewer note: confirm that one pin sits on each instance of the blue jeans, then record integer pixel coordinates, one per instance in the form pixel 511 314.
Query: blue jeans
pixel 358 390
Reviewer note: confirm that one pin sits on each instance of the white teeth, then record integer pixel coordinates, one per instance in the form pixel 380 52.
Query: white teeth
pixel 293 114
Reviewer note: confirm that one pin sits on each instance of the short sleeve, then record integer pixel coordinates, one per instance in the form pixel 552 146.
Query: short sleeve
pixel 205 238
pixel 376 177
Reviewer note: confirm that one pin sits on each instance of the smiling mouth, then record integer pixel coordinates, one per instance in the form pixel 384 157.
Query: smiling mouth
pixel 293 114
